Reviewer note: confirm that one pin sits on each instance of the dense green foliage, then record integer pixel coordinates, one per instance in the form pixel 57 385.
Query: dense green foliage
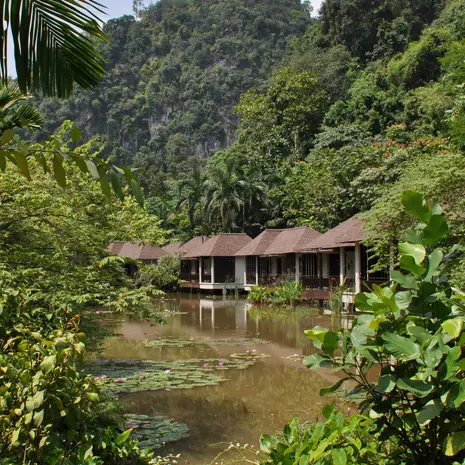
pixel 413 331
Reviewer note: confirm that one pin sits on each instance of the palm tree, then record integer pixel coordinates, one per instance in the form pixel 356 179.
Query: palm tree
pixel 14 112
pixel 53 44
pixel 224 193
pixel 190 190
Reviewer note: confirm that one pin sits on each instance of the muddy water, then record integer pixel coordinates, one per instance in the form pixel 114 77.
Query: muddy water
pixel 260 399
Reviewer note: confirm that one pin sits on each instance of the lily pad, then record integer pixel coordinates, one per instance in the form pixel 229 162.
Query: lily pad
pixel 147 375
pixel 183 341
pixel 155 432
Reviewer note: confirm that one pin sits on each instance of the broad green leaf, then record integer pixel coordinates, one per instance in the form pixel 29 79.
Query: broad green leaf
pixel 407 263
pixel 402 348
pixel 104 183
pixel 387 383
pixel 334 387
pixel 455 443
pixel 436 229
pixel 363 302
pixel 328 409
pixel 137 192
pixel 80 162
pixel 430 411
pixel 7 136
pixel 416 387
pixel 58 170
pixel 15 436
pixel 339 457
pixel 85 452
pixel 317 333
pixel 419 333
pixel 407 282
pixel 93 169
pixel 453 327
pixel 38 399
pixel 434 261
pixel 116 183
pixel 414 236
pixel 456 396
pixel 75 135
pixel 330 342
pixel 123 437
pixel 315 361
pixel 403 299
pixel 93 396
pixel 417 251
pixel 267 443
pixel 38 417
pixel 48 363
pixel 21 163
pixel 415 205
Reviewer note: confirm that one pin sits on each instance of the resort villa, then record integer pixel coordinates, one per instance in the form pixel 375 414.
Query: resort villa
pixel 320 262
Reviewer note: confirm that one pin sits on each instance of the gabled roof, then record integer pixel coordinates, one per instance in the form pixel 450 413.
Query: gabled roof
pixel 279 241
pixel 292 240
pixel 136 251
pixel 344 235
pixel 182 249
pixel 259 245
pixel 193 244
pixel 223 245
pixel 115 247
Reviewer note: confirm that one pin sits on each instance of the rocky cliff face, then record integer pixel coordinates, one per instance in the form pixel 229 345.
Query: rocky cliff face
pixel 174 76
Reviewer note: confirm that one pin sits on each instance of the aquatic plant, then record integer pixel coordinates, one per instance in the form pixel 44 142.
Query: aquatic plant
pixel 184 341
pixel 155 432
pixel 147 375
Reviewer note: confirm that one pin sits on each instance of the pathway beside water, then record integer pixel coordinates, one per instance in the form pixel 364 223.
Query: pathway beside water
pixel 258 399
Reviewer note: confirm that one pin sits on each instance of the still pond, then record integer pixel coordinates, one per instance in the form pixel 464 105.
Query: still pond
pixel 243 365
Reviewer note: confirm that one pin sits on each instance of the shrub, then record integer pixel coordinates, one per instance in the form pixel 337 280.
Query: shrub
pixel 413 331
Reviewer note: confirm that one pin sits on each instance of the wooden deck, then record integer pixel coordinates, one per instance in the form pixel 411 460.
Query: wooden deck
pixel 316 294
pixel 189 285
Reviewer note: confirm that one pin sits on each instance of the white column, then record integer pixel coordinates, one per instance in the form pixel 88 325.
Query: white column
pixel 358 268
pixel 342 272
pixel 256 270
pixel 212 265
pixel 200 270
pixel 297 267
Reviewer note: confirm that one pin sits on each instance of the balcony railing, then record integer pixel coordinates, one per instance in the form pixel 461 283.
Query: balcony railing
pixel 206 278
pixel 190 277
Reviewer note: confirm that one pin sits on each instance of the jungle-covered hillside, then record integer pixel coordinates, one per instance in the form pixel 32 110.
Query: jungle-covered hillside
pixel 250 114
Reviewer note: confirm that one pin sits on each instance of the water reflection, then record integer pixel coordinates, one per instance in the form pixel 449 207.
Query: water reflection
pixel 253 401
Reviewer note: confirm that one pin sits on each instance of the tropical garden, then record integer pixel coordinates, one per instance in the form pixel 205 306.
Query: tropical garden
pixel 197 117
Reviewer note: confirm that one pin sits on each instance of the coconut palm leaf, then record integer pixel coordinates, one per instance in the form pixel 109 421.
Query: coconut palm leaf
pixel 53 43
pixel 14 110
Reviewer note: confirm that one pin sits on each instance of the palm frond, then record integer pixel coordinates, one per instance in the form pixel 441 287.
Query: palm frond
pixel 53 44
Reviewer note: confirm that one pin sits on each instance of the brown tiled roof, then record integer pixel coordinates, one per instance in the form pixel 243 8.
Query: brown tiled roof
pixel 180 248
pixel 292 240
pixel 223 245
pixel 344 235
pixel 259 245
pixel 136 251
pixel 193 244
pixel 172 248
pixel 115 247
pixel 279 241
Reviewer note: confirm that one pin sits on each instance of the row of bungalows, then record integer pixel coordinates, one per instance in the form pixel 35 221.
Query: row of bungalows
pixel 320 262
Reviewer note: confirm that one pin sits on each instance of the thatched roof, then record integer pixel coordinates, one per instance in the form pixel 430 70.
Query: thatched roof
pixel 344 235
pixel 136 251
pixel 223 245
pixel 279 241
